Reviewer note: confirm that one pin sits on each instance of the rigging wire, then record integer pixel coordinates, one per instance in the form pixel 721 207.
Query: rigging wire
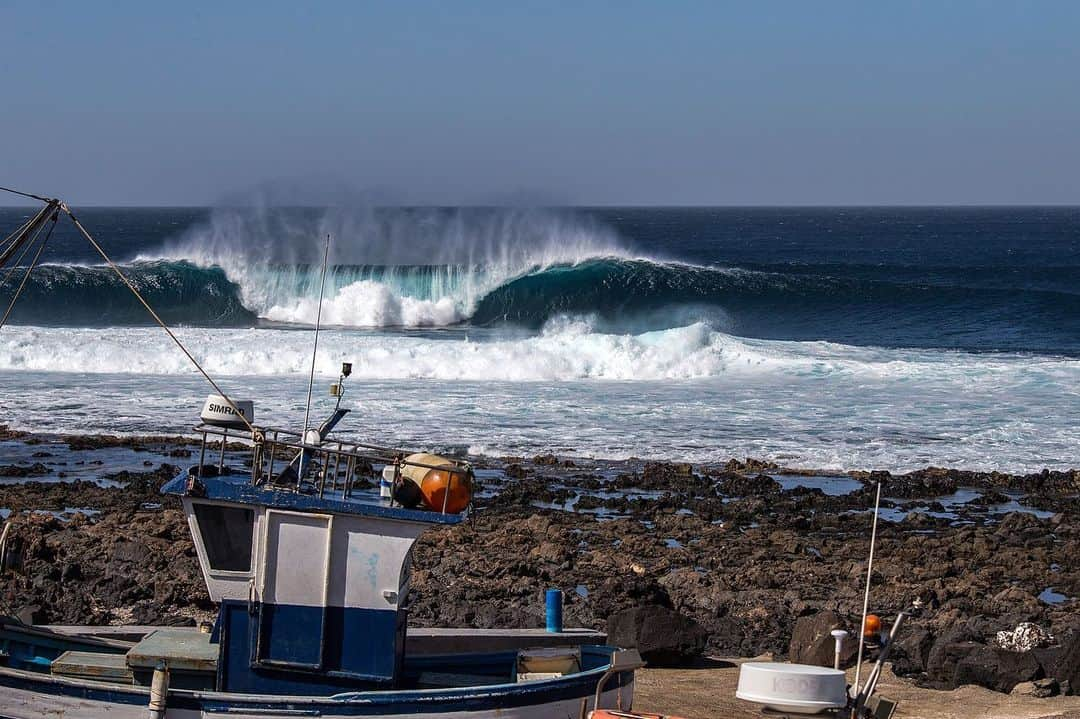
pixel 13 238
pixel 33 264
pixel 27 194
pixel 22 228
pixel 256 434
pixel 318 324
pixel 26 249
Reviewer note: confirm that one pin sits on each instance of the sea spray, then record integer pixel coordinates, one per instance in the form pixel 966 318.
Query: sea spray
pixel 392 266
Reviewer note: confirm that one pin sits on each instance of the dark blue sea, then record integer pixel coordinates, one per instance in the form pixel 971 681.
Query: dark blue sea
pixel 829 337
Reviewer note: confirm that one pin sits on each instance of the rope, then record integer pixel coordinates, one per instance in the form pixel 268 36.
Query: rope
pixel 26 194
pixel 26 249
pixel 154 314
pixel 14 236
pixel 33 264
pixel 22 228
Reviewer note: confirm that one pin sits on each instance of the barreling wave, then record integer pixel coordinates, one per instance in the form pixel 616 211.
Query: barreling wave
pixel 93 296
pixel 778 305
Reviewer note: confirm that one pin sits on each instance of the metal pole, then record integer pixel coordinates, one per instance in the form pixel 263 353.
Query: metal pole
pixel 866 593
pixel 221 456
pixel 315 348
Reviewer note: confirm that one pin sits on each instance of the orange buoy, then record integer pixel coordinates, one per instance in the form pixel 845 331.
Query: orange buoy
pixel 873 626
pixel 438 483
pixel 448 481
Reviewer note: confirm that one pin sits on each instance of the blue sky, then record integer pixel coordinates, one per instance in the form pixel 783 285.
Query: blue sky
pixel 576 103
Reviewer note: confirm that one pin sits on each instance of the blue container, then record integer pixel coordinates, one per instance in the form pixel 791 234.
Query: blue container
pixel 554 610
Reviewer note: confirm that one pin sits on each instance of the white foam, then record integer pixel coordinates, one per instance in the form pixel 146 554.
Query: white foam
pixel 568 348
pixel 690 393
pixel 368 304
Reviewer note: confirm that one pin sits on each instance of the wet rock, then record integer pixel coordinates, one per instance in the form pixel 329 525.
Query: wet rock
pixel 548 460
pixel 515 471
pixel 750 465
pixel 812 641
pixel 663 637
pixel 15 470
pixel 737 485
pixel 10 434
pixel 929 482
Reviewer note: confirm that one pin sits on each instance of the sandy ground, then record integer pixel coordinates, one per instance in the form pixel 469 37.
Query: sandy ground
pixel 709 692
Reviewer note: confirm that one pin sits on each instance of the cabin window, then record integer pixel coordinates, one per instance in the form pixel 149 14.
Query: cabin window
pixel 226 536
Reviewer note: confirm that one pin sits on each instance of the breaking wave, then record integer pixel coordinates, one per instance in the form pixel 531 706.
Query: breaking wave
pixel 433 268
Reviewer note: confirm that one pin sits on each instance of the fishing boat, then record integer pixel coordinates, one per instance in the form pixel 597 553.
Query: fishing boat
pixel 310 570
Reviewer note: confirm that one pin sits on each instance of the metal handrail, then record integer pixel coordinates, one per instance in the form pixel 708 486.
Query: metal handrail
pixel 328 454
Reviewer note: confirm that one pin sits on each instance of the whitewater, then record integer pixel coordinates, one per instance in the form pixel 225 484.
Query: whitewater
pixel 525 331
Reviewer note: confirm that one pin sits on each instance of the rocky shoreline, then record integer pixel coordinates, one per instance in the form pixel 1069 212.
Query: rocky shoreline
pixel 723 560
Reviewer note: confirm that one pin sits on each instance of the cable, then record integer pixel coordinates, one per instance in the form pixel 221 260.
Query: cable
pixel 33 264
pixel 158 319
pixel 13 240
pixel 27 194
pixel 26 249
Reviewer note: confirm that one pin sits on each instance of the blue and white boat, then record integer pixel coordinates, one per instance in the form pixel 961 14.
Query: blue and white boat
pixel 311 574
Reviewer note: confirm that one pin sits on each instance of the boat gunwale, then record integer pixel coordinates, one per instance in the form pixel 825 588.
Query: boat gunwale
pixel 457 698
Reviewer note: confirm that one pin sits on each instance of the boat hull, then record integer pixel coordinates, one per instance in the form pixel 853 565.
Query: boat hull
pixel 29 695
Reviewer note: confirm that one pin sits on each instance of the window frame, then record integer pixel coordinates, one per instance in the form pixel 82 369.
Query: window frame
pixel 201 548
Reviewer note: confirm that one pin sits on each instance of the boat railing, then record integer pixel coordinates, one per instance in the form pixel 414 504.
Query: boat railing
pixel 282 459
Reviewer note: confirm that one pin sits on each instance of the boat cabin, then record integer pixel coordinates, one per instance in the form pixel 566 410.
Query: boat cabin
pixel 310 568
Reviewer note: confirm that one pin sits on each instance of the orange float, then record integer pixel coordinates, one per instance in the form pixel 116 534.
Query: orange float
pixel 442 480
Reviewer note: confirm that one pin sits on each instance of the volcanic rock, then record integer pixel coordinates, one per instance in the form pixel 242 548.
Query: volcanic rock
pixel 996 669
pixel 812 641
pixel 910 651
pixel 663 637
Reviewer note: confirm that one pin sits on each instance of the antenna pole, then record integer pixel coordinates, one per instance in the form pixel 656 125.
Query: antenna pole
pixel 866 594
pixel 315 347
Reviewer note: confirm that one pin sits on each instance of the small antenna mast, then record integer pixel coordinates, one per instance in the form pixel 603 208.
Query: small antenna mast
pixel 866 595
pixel 315 347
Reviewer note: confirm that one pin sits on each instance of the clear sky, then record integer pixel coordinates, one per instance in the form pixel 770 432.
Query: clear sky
pixel 578 103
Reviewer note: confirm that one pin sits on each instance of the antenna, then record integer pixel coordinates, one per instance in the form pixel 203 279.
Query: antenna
pixel 315 346
pixel 866 594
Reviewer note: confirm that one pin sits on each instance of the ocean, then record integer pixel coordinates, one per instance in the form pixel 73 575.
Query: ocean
pixel 839 338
